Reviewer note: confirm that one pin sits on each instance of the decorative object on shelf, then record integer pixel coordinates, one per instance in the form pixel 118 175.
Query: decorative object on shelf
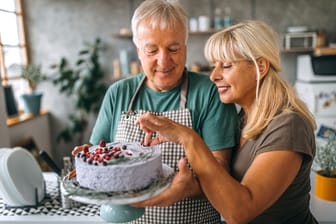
pixel 32 99
pixel 203 23
pixel 193 24
pixel 228 21
pixel 85 84
pixel 218 20
pixel 325 165
pixel 11 105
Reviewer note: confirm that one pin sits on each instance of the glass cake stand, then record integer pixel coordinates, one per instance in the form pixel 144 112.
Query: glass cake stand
pixel 115 206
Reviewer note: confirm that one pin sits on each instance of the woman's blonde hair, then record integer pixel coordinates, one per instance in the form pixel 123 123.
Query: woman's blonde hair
pixel 251 40
pixel 160 13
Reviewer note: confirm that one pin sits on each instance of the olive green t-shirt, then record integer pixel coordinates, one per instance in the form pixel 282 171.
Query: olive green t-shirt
pixel 217 123
pixel 287 131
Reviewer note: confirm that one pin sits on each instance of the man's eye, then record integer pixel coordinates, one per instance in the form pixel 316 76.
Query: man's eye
pixel 150 51
pixel 173 50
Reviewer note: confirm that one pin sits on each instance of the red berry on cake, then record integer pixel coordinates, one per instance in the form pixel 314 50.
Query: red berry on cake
pixel 99 150
pixel 107 157
pixel 102 143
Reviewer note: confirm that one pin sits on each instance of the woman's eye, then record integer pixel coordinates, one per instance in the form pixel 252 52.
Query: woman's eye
pixel 225 66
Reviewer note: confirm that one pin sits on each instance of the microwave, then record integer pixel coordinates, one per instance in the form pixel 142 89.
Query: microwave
pixel 312 68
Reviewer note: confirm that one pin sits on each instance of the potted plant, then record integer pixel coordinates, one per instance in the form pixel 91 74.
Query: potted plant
pixel 84 82
pixel 32 99
pixel 325 167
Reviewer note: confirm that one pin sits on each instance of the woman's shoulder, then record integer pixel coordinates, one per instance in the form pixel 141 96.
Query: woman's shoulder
pixel 292 124
pixel 290 117
pixel 290 131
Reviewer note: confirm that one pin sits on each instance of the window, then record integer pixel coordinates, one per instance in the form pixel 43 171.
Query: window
pixel 13 51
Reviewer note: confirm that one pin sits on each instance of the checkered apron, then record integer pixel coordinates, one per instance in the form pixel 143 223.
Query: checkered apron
pixel 189 210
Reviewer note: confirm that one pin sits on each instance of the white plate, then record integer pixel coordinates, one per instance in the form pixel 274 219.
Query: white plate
pixel 88 196
pixel 6 185
pixel 23 176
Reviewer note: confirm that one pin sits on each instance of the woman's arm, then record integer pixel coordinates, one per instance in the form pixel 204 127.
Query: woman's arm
pixel 238 202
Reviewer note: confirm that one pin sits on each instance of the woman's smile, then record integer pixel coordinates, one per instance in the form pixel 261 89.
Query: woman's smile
pixel 223 89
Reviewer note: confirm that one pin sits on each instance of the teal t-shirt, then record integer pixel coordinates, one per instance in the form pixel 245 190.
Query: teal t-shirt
pixel 216 122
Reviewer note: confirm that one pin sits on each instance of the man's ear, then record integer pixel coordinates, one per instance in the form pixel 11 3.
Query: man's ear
pixel 138 51
pixel 263 66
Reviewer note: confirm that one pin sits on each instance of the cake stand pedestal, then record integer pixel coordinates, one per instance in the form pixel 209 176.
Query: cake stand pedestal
pixel 120 213
pixel 115 206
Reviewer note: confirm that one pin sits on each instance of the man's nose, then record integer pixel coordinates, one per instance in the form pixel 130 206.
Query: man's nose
pixel 163 58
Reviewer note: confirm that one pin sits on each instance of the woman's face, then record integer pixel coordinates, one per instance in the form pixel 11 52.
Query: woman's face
pixel 236 81
pixel 162 55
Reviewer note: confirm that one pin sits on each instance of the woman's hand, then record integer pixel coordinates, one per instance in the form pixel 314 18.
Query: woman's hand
pixel 167 129
pixel 184 185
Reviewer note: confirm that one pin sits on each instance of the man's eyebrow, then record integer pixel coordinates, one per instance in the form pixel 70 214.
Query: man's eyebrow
pixel 149 45
pixel 174 43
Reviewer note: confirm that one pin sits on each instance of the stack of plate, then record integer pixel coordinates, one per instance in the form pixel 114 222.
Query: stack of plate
pixel 21 179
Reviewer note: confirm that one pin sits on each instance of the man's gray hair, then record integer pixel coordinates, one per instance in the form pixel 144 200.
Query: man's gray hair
pixel 160 13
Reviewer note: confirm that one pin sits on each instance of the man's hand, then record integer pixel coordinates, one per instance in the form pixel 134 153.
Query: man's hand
pixel 80 148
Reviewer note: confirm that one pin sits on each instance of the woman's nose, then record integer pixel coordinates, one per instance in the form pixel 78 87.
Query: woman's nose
pixel 215 74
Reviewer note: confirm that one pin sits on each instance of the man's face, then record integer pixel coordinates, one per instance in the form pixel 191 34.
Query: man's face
pixel 162 54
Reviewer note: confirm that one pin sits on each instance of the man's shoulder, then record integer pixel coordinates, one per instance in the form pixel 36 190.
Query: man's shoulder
pixel 199 79
pixel 135 79
pixel 128 82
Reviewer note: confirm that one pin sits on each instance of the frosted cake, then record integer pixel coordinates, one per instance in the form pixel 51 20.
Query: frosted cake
pixel 116 167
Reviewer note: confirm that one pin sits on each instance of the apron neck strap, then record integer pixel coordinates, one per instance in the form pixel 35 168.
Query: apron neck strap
pixel 184 90
pixel 135 94
pixel 183 93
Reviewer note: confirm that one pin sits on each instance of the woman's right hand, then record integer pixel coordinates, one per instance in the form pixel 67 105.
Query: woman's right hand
pixel 80 148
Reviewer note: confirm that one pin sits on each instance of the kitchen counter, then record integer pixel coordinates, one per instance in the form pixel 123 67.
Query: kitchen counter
pixel 324 211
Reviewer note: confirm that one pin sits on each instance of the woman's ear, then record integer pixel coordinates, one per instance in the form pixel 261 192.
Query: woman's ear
pixel 263 66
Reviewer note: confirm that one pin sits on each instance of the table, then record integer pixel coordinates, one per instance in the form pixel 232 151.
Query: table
pixel 52 212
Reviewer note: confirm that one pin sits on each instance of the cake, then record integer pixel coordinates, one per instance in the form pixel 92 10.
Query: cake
pixel 118 167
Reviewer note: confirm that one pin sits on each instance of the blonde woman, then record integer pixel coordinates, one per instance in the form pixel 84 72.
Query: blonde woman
pixel 269 181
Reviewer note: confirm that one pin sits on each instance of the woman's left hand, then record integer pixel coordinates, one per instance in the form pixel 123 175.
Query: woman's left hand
pixel 183 185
